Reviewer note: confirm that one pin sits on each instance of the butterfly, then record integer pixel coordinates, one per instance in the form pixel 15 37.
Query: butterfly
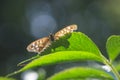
pixel 41 44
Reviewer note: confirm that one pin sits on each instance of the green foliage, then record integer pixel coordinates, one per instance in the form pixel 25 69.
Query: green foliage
pixel 77 47
pixel 61 56
pixel 74 42
pixel 4 78
pixel 80 73
pixel 117 65
pixel 113 47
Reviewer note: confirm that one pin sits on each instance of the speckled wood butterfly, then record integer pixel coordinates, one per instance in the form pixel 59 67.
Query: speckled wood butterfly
pixel 39 45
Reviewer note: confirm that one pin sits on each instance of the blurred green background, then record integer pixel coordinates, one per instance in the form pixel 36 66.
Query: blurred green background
pixel 23 21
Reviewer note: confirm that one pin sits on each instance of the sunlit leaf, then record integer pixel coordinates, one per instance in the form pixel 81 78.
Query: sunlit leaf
pixel 72 47
pixel 76 41
pixel 83 73
pixel 61 56
pixel 113 47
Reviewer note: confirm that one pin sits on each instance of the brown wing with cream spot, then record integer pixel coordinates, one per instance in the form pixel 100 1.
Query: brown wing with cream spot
pixel 39 45
pixel 64 31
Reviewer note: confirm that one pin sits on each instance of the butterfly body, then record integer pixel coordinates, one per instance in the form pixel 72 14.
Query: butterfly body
pixel 42 43
pixel 51 36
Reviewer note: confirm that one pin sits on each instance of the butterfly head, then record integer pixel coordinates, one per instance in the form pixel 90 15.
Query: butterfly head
pixel 51 36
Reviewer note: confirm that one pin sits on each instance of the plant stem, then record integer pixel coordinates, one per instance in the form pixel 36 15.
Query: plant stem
pixel 115 72
pixel 22 63
pixel 11 74
pixel 112 68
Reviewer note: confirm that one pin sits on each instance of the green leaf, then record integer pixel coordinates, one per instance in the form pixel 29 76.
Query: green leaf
pixel 5 78
pixel 71 47
pixel 61 56
pixel 117 66
pixel 113 47
pixel 80 73
pixel 75 41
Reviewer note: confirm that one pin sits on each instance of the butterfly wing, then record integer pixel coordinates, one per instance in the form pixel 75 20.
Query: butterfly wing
pixel 64 31
pixel 39 45
pixel 42 43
